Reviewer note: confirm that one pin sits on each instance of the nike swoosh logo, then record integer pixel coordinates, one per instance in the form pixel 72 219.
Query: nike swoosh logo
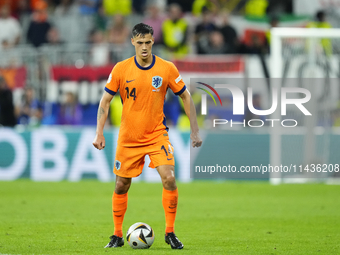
pixel 169 158
pixel 129 81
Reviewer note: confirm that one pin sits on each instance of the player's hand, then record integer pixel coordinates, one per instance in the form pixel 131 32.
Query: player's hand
pixel 196 139
pixel 99 142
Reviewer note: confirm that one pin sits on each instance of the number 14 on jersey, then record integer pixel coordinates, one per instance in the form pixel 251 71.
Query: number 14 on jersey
pixel 130 94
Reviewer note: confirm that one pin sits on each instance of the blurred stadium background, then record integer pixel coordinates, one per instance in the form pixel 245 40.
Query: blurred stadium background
pixel 56 56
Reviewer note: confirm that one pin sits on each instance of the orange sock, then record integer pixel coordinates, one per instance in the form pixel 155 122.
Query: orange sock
pixel 169 199
pixel 119 206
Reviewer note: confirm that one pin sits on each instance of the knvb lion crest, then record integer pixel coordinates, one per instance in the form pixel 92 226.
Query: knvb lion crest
pixel 157 82
pixel 117 164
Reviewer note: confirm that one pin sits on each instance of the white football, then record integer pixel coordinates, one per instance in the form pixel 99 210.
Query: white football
pixel 140 236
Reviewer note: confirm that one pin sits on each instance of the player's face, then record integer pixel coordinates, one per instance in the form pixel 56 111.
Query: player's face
pixel 143 45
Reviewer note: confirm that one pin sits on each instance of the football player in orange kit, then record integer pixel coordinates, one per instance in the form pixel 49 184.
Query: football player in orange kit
pixel 143 81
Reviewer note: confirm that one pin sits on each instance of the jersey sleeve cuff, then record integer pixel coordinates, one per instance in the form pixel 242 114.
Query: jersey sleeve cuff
pixel 181 91
pixel 111 92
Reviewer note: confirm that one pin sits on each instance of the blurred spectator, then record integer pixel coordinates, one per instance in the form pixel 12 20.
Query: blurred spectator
pixel 155 19
pixel 50 4
pixel 198 6
pixel 256 7
pixel 53 37
pixel 13 5
pixel 174 31
pixel 215 44
pixel 229 35
pixel 138 6
pixel 66 20
pixel 320 22
pixel 119 31
pixel 99 49
pixel 161 4
pixel 253 43
pixel 112 7
pixel 34 4
pixel 214 6
pixel 88 7
pixel 70 111
pixel 7 117
pixel 23 9
pixel 9 28
pixel 185 5
pixel 29 112
pixel 203 30
pixel 100 19
pixel 39 25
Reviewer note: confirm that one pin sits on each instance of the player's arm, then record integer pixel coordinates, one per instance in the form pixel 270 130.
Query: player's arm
pixel 103 110
pixel 190 111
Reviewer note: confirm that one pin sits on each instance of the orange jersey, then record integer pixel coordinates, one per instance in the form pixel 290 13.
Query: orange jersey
pixel 143 93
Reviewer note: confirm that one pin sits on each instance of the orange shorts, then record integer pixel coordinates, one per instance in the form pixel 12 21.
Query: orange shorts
pixel 129 161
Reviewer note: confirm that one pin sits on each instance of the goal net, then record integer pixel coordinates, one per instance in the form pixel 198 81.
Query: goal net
pixel 307 58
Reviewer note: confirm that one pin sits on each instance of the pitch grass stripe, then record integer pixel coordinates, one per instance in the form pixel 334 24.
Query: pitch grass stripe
pixel 208 93
pixel 241 217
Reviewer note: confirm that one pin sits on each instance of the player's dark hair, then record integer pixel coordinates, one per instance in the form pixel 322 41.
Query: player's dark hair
pixel 142 30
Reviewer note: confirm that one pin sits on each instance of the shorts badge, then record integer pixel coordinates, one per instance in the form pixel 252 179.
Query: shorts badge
pixel 117 164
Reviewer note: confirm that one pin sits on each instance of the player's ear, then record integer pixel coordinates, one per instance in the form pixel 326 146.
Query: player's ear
pixel 132 41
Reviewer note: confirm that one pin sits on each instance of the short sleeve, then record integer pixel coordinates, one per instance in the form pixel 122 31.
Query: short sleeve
pixel 176 82
pixel 113 83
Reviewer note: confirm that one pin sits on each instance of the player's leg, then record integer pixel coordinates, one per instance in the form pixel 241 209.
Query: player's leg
pixel 169 196
pixel 169 200
pixel 119 203
pixel 119 206
pixel 162 158
pixel 129 163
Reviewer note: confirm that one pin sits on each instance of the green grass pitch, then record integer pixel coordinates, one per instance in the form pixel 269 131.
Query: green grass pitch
pixel 212 218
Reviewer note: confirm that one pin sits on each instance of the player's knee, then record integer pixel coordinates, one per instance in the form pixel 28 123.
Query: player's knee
pixel 122 186
pixel 169 182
